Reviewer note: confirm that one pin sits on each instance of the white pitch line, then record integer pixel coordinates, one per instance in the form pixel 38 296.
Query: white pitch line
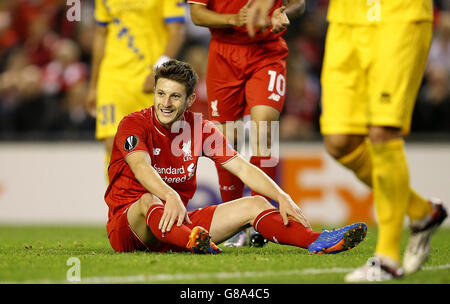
pixel 163 277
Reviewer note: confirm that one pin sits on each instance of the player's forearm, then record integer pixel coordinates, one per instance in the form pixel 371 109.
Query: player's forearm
pixel 98 52
pixel 202 16
pixel 295 7
pixel 152 181
pixel 177 36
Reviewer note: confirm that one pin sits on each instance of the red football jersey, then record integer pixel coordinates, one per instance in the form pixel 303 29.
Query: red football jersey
pixel 174 154
pixel 236 35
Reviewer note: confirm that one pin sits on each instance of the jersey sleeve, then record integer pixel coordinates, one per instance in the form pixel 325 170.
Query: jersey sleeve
pixel 131 136
pixel 173 11
pixel 102 14
pixel 216 145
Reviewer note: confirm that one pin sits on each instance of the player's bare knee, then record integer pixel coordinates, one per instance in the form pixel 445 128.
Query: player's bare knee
pixel 260 203
pixel 339 145
pixel 336 145
pixel 145 202
pixel 379 134
pixel 261 137
pixel 256 205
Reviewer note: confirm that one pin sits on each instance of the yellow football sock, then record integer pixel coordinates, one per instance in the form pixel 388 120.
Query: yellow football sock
pixel 418 206
pixel 390 179
pixel 359 161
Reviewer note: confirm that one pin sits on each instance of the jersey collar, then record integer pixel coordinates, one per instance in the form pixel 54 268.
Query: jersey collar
pixel 160 128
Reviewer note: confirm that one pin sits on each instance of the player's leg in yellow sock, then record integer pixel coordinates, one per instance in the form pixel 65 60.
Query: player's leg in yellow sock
pixel 359 161
pixel 418 206
pixel 390 179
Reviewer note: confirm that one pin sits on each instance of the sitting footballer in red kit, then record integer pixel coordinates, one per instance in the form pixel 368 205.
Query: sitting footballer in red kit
pixel 152 176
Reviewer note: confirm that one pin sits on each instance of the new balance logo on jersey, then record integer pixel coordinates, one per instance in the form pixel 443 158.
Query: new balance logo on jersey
pixel 156 151
pixel 275 97
pixel 215 112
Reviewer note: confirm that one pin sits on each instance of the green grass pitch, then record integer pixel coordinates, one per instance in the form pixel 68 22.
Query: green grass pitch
pixel 39 254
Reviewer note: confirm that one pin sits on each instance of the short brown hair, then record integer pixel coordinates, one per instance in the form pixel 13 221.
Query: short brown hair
pixel 178 71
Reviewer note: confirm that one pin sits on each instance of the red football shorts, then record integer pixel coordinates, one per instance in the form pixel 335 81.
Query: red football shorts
pixel 242 76
pixel 123 239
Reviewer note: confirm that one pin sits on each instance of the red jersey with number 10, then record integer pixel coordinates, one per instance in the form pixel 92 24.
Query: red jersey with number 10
pixel 236 35
pixel 174 154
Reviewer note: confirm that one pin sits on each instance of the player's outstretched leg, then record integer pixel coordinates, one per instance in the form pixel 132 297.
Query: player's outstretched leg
pixel 256 211
pixel 269 223
pixel 422 230
pixel 200 242
pixel 338 240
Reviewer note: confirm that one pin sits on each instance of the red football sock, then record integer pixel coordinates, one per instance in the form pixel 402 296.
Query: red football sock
pixel 231 187
pixel 270 171
pixel 270 224
pixel 178 236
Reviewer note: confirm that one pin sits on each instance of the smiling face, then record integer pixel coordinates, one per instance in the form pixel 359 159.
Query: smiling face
pixel 171 101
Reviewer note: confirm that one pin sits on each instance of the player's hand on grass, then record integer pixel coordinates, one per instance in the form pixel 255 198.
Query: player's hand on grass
pixel 91 102
pixel 149 84
pixel 279 20
pixel 174 210
pixel 289 208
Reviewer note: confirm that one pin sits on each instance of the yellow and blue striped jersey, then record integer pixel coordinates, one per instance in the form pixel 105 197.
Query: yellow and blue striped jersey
pixel 137 34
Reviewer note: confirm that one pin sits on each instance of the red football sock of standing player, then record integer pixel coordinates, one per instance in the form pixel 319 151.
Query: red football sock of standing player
pixel 270 224
pixel 231 187
pixel 178 236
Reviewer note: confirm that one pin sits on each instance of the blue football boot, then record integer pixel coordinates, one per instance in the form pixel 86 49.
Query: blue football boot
pixel 338 240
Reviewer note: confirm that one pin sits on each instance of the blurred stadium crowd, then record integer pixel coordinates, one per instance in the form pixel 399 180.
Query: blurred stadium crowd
pixel 45 64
